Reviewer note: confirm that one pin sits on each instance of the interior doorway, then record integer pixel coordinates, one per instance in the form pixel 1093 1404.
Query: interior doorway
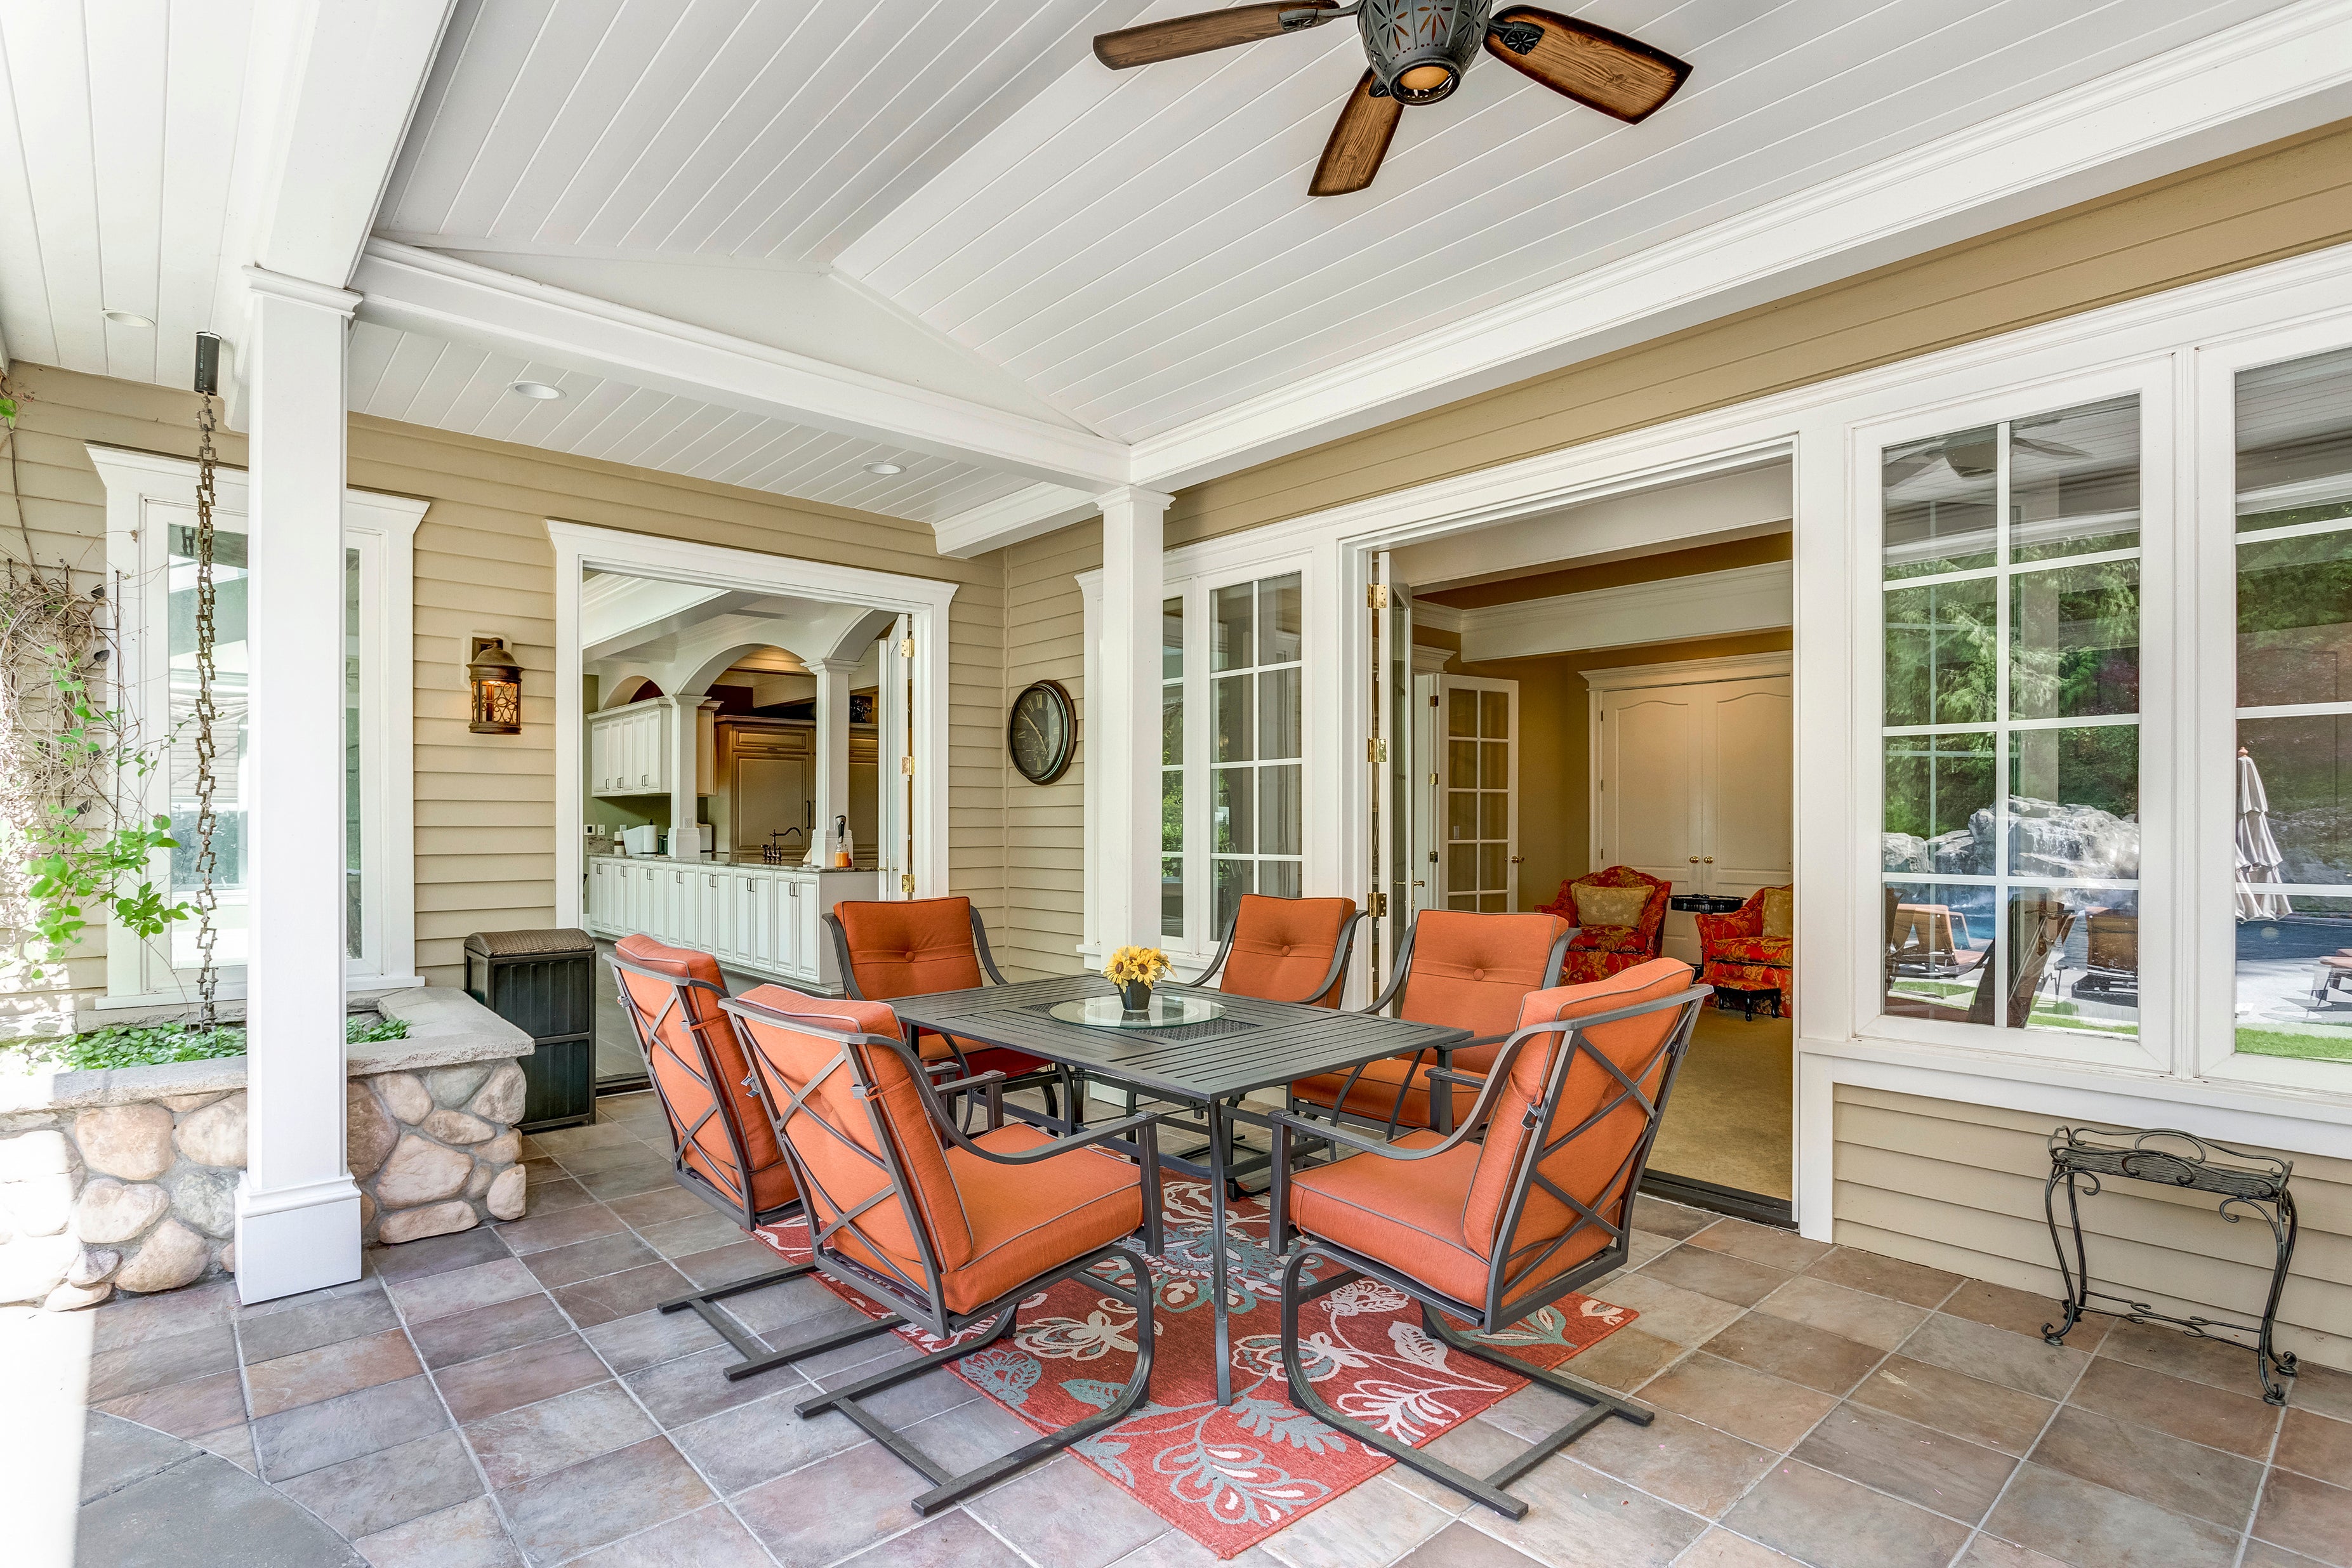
pixel 1591 713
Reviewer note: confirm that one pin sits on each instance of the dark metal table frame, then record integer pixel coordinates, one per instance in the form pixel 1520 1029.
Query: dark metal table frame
pixel 1281 1043
pixel 2080 1156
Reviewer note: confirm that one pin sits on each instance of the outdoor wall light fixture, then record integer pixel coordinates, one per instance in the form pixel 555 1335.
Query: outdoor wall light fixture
pixel 497 682
pixel 538 391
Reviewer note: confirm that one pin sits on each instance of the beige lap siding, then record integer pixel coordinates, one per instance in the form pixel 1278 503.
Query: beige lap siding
pixel 1045 824
pixel 1958 1187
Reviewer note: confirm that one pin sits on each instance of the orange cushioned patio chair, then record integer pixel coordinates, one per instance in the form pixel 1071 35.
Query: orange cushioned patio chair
pixel 724 1149
pixel 913 947
pixel 1457 968
pixel 944 1230
pixel 1486 1234
pixel 1280 950
pixel 1620 914
pixel 1752 950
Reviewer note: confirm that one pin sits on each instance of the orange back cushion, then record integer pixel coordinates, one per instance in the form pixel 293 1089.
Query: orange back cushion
pixel 678 1014
pixel 791 1060
pixel 1283 947
pixel 1586 1168
pixel 1473 971
pixel 909 948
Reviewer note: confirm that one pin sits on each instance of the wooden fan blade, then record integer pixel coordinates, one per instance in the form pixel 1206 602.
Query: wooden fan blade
pixel 1195 35
pixel 1599 68
pixel 1359 140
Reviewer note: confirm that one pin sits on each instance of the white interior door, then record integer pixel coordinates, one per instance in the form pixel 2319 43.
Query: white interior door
pixel 1649 793
pixel 1478 792
pixel 1745 831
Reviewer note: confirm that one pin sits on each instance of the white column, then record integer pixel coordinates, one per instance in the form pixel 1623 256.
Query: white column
pixel 687 721
pixel 831 753
pixel 1123 720
pixel 297 1211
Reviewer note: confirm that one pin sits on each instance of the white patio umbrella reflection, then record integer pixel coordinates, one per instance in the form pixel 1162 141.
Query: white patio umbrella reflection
pixel 2258 853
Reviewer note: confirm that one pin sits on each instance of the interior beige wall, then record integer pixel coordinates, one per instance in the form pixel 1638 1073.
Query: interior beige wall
pixel 486 828
pixel 2280 200
pixel 1958 1187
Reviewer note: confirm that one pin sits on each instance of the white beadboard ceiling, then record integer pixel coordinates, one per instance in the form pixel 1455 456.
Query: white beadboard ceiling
pixel 954 195
pixel 456 386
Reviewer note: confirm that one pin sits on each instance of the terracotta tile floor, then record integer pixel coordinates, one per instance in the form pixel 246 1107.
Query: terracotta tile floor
pixel 507 1397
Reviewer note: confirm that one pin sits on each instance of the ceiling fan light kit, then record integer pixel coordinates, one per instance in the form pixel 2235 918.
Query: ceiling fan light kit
pixel 1418 51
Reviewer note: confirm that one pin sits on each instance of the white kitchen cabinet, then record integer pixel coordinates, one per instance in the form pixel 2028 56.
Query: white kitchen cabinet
pixel 764 920
pixel 629 750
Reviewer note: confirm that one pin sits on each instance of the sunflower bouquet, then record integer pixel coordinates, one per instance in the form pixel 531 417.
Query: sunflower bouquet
pixel 1134 970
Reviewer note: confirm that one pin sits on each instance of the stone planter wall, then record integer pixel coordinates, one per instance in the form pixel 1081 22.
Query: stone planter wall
pixel 119 1182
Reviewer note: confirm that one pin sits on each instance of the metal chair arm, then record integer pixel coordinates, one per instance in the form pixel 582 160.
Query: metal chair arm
pixel 1144 1124
pixel 977 1080
pixel 1463 1080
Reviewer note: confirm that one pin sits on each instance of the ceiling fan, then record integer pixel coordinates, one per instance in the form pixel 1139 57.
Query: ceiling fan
pixel 1975 454
pixel 1419 50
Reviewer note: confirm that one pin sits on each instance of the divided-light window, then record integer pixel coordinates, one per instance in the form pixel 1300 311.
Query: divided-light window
pixel 2011 843
pixel 1255 731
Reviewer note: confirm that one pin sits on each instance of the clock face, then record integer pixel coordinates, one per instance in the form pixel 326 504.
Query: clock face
pixel 1041 732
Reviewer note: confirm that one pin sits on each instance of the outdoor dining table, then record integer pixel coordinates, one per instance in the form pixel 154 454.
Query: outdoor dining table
pixel 1212 1064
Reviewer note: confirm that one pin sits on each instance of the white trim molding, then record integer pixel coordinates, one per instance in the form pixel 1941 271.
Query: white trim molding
pixel 1689 672
pixel 443 297
pixel 923 601
pixel 1016 518
pixel 145 493
pixel 1670 610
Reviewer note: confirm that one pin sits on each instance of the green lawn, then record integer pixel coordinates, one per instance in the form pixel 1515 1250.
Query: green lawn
pixel 2335 1046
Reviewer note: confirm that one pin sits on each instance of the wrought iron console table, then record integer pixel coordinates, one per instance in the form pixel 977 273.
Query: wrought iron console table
pixel 2079 1157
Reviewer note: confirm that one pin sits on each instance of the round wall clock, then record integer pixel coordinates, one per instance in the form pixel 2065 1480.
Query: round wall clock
pixel 1041 733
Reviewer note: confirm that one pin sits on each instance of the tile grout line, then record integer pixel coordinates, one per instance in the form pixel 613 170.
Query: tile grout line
pixel 2261 1487
pixel 622 1383
pixel 2057 1406
pixel 481 1472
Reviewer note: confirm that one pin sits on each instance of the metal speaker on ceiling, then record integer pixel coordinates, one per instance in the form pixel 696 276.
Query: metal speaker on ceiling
pixel 1419 48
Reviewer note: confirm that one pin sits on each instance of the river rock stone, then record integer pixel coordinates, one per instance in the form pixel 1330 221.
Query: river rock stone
pixel 111 1210
pixel 453 1086
pixel 456 1127
pixel 367 1211
pixel 205 1197
pixel 96 1263
pixel 368 1131
pixel 502 1150
pixel 181 1104
pixel 215 1134
pixel 67 1298
pixel 436 1219
pixel 501 1097
pixel 36 1154
pixel 228 1257
pixel 420 1171
pixel 405 1093
pixel 506 1198
pixel 172 1256
pixel 38 1207
pixel 133 1141
pixel 479 1182
pixel 33 1266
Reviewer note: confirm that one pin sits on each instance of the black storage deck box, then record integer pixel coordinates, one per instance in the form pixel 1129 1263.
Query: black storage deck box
pixel 544 983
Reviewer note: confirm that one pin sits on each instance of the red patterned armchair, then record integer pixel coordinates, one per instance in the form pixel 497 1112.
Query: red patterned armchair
pixel 1615 930
pixel 1753 948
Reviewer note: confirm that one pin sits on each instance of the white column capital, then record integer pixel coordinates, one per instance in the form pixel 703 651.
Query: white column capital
pixel 1128 501
pixel 302 291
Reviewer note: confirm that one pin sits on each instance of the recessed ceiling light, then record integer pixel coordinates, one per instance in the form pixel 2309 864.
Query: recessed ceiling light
pixel 128 318
pixel 884 468
pixel 538 391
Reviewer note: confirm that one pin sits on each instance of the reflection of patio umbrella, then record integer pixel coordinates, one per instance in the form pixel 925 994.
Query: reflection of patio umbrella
pixel 2258 853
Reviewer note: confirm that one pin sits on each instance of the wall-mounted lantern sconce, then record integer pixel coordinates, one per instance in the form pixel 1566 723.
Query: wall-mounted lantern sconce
pixel 497 682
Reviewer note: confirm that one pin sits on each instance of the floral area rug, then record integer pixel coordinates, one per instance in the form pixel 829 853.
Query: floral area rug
pixel 1229 1477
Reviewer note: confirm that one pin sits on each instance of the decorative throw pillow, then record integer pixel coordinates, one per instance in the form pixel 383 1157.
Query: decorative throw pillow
pixel 1597 905
pixel 1779 911
pixel 1608 939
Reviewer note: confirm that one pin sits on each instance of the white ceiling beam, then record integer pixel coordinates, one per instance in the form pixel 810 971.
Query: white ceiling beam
pixel 2285 72
pixel 440 297
pixel 1709 604
pixel 1024 515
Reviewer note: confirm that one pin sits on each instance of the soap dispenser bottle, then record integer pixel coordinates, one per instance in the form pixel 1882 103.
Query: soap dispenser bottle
pixel 842 857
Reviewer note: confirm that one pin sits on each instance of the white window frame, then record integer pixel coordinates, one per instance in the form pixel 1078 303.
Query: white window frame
pixel 2151 380
pixel 1193 575
pixel 2209 377
pixel 146 495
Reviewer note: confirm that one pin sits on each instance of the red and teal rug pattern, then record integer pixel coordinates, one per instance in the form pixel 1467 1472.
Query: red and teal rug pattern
pixel 1229 1477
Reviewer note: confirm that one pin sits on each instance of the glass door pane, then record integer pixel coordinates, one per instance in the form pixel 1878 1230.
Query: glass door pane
pixel 1481 859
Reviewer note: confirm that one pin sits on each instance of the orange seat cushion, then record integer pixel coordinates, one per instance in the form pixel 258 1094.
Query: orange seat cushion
pixel 909 947
pixel 1436 1220
pixel 1283 947
pixel 1375 1093
pixel 1027 1220
pixel 681 1080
